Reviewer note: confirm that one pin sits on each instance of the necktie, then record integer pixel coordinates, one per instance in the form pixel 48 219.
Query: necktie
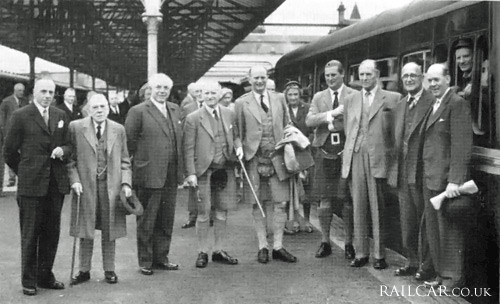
pixel 215 115
pixel 367 99
pixel 436 105
pixel 262 104
pixel 117 111
pixel 200 104
pixel 46 117
pixel 335 100
pixel 98 132
pixel 411 103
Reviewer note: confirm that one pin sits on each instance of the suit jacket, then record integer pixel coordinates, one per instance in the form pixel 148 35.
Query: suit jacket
pixel 72 114
pixel 82 168
pixel 448 143
pixel 28 146
pixel 380 137
pixel 188 109
pixel 409 155
pixel 317 118
pixel 148 140
pixel 117 117
pixel 187 100
pixel 199 140
pixel 250 123
pixel 299 120
pixel 7 107
pixel 125 107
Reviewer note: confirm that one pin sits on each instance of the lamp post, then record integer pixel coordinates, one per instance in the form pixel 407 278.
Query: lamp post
pixel 153 18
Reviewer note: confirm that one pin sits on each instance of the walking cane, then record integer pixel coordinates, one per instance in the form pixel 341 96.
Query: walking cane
pixel 251 187
pixel 74 241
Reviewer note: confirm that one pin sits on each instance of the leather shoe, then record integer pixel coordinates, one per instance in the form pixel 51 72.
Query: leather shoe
pixel 433 283
pixel 405 271
pixel 52 285
pixel 82 276
pixel 166 266
pixel 380 264
pixel 29 291
pixel 349 252
pixel 263 255
pixel 146 271
pixel 188 224
pixel 325 249
pixel 222 257
pixel 423 275
pixel 202 260
pixel 283 255
pixel 111 277
pixel 359 262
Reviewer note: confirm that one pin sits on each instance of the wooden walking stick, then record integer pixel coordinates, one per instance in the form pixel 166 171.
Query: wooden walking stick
pixel 74 241
pixel 251 187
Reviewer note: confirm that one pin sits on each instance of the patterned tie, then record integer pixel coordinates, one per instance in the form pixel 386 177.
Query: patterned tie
pixel 436 105
pixel 336 100
pixel 98 132
pixel 411 103
pixel 367 99
pixel 46 117
pixel 262 104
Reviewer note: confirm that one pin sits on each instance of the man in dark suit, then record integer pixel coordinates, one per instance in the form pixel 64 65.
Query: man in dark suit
pixel 368 119
pixel 191 103
pixel 261 117
pixel 129 102
pixel 326 116
pixel 446 158
pixel 36 148
pixel 210 137
pixel 154 136
pixel 7 107
pixel 114 110
pixel 410 115
pixel 69 106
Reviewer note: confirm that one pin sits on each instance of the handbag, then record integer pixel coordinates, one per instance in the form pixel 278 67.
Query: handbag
pixel 461 209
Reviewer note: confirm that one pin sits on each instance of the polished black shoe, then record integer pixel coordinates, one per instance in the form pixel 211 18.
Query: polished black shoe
pixel 349 252
pixel 359 262
pixel 111 277
pixel 405 271
pixel 380 264
pixel 82 276
pixel 202 260
pixel 263 255
pixel 222 257
pixel 166 266
pixel 423 275
pixel 146 271
pixel 52 285
pixel 325 249
pixel 29 291
pixel 188 224
pixel 283 255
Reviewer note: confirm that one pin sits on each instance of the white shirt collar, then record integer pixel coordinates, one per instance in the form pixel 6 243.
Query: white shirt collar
pixel 103 126
pixel 416 96
pixel 257 97
pixel 339 90
pixel 40 108
pixel 211 110
pixel 441 99
pixel 69 106
pixel 159 105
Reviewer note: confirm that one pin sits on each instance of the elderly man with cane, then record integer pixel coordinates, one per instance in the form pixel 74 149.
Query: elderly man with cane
pixel 98 170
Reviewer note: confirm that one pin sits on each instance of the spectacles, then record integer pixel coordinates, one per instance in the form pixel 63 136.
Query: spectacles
pixel 410 76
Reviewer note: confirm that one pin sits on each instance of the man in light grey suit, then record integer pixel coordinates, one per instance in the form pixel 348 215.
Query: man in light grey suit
pixel 210 138
pixel 326 116
pixel 368 119
pixel 261 117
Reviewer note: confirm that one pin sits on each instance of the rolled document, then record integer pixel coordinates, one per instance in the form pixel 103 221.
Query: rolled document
pixel 467 188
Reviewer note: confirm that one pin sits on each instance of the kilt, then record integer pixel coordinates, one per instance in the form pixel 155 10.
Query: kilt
pixel 327 175
pixel 266 188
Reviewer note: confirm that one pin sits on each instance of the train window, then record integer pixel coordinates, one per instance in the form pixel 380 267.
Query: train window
pixel 388 73
pixel 353 80
pixel 422 58
pixel 440 54
pixel 471 67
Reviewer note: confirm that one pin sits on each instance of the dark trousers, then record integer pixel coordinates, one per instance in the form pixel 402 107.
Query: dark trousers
pixel 40 219
pixel 154 227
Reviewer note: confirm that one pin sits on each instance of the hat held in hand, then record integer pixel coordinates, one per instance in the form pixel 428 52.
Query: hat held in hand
pixel 131 204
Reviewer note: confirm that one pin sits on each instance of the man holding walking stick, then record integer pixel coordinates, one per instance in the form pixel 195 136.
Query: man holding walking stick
pixel 98 170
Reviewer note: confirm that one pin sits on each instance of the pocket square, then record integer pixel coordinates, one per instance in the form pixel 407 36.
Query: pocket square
pixel 441 119
pixel 60 124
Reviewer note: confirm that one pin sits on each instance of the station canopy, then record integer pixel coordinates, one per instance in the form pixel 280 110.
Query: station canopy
pixel 108 38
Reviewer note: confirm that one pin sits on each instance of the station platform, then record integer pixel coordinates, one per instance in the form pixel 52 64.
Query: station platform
pixel 309 281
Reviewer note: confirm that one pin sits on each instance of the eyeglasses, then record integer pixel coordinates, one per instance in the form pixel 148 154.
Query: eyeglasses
pixel 410 76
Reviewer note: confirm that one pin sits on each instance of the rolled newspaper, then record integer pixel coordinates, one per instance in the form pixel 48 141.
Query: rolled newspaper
pixel 467 188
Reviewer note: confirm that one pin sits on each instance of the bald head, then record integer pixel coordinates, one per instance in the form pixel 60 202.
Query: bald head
pixel 258 78
pixel 270 85
pixel 438 77
pixel 195 90
pixel 19 90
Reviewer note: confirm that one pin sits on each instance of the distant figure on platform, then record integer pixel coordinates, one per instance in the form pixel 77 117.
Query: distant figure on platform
pixel 114 109
pixel 7 107
pixel 194 95
pixel 144 93
pixel 127 104
pixel 368 119
pixel 154 135
pixel 98 170
pixel 69 105
pixel 270 85
pixel 36 148
pixel 226 99
pixel 261 117
pixel 210 137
